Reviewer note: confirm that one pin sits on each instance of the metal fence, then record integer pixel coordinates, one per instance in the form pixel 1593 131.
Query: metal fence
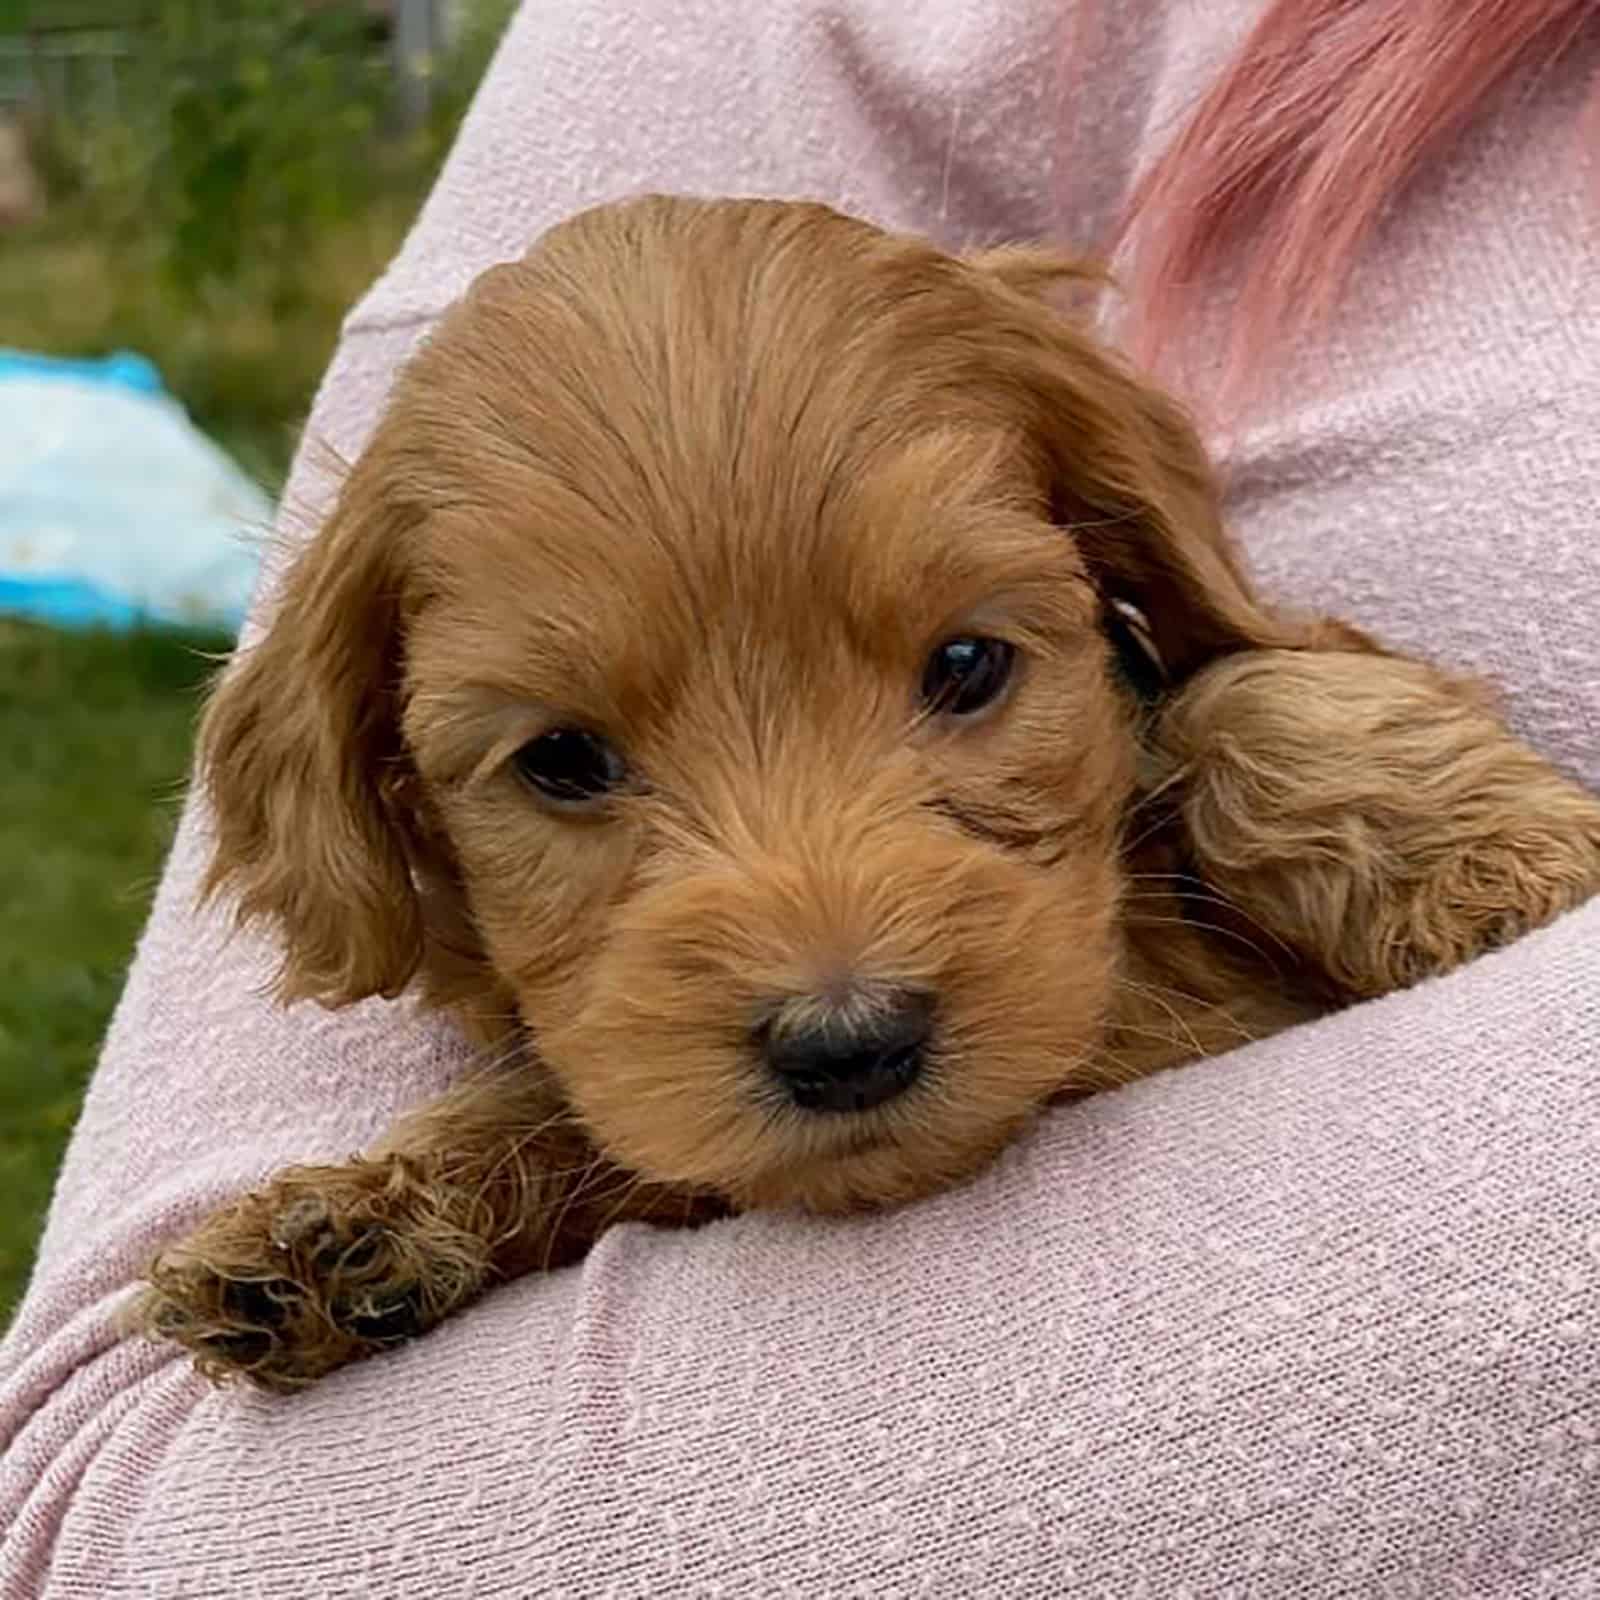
pixel 73 70
pixel 80 70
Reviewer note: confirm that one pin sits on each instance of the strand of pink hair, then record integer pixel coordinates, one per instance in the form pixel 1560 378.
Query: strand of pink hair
pixel 1287 163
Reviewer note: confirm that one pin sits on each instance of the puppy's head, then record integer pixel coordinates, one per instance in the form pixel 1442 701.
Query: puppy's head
pixel 707 665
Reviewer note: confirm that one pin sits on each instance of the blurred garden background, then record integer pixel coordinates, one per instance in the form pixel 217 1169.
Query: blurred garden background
pixel 210 184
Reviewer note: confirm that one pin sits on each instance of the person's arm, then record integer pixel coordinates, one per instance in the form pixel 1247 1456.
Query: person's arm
pixel 205 1085
pixel 1314 1319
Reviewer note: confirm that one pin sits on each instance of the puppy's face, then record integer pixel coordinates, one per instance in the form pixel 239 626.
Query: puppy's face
pixel 786 813
pixel 709 654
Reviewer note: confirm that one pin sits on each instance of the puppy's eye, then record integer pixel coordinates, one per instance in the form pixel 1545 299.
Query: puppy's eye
pixel 570 765
pixel 965 675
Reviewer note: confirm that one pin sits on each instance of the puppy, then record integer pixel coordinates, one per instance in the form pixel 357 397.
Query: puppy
pixel 788 692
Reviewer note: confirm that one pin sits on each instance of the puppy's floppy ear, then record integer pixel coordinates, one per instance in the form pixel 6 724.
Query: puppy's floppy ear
pixel 1128 476
pixel 300 752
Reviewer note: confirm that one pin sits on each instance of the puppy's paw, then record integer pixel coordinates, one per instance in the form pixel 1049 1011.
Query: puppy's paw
pixel 324 1266
pixel 1373 814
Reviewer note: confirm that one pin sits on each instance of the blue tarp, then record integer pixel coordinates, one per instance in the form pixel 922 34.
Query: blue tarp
pixel 122 370
pixel 114 509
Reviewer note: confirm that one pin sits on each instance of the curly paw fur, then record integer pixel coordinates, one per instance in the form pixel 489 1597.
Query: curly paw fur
pixel 322 1267
pixel 1372 813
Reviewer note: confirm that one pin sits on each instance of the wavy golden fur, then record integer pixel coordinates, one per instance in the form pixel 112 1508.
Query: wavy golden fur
pixel 715 482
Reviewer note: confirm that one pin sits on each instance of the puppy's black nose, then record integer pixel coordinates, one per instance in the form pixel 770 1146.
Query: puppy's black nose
pixel 850 1058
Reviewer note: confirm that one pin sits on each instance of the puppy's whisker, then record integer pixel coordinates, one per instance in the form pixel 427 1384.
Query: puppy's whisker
pixel 1170 1001
pixel 569 1199
pixel 1152 828
pixel 518 1148
pixel 1195 924
pixel 495 1058
pixel 1107 1070
pixel 1166 1004
pixel 1205 894
pixel 1121 519
pixel 629 1192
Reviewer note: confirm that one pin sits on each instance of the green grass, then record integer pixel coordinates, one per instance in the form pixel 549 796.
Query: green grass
pixel 245 371
pixel 95 734
pixel 223 231
pixel 95 730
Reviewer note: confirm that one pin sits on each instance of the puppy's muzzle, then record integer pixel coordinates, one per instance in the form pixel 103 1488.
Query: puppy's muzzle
pixel 851 1055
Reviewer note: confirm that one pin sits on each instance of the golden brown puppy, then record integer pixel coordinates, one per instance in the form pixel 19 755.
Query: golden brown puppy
pixel 792 688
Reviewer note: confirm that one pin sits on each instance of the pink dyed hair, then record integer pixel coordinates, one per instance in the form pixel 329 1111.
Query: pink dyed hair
pixel 1286 164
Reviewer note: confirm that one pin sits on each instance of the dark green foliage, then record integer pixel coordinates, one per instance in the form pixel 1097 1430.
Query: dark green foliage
pixel 270 138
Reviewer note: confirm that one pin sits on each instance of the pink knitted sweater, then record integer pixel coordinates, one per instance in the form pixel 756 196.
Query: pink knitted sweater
pixel 1318 1318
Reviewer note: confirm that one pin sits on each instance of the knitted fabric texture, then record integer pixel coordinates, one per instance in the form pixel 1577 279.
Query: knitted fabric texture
pixel 1319 1318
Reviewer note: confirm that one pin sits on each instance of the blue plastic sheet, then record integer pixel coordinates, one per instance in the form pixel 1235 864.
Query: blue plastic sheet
pixel 115 510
